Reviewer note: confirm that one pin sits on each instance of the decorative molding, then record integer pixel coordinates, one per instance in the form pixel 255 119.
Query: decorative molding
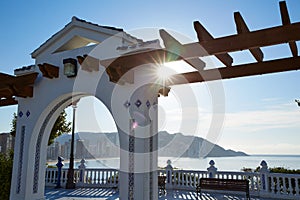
pixel 24 70
pixel 131 161
pixel 39 141
pixel 19 180
pixel 151 161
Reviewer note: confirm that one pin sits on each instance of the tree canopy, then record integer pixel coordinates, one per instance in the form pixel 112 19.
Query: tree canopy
pixel 60 126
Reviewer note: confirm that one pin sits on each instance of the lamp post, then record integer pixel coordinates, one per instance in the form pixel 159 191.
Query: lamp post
pixel 70 177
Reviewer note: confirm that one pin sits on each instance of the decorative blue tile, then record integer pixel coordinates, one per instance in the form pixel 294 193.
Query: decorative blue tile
pixel 138 103
pixel 127 104
pixel 20 160
pixel 20 114
pixel 148 104
pixel 28 113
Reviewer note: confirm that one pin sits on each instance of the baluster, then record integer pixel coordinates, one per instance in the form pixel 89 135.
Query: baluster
pixel 190 179
pixel 284 188
pixel 105 177
pixel 101 173
pixel 183 178
pixel 278 185
pixel 297 186
pixel 87 177
pixel 178 177
pixel 272 185
pixel 115 177
pixel 290 188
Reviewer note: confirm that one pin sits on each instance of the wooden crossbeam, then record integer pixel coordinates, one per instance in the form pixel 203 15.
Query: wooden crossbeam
pixel 172 45
pixel 164 91
pixel 273 66
pixel 232 43
pixel 285 18
pixel 242 27
pixel 27 79
pixel 49 71
pixel 88 63
pixel 20 86
pixel 8 102
pixel 203 36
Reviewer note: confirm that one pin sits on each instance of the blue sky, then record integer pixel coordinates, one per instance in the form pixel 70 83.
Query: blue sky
pixel 261 115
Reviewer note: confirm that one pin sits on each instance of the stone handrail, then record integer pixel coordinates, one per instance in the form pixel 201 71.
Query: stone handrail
pixel 261 184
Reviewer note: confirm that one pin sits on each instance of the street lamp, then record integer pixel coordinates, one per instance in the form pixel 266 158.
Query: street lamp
pixel 70 177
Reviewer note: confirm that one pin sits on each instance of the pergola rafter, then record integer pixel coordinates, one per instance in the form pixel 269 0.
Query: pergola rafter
pixel 220 47
pixel 15 86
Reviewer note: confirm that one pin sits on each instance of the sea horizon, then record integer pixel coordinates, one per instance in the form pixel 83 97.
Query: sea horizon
pixel 234 163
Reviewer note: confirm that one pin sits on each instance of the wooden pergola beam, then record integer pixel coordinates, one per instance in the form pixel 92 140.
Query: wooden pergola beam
pixel 237 42
pixel 8 102
pixel 20 86
pixel 285 18
pixel 172 45
pixel 27 79
pixel 49 71
pixel 259 38
pixel 241 28
pixel 204 36
pixel 88 63
pixel 273 66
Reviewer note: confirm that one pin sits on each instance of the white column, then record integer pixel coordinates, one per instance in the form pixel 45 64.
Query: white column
pixel 137 127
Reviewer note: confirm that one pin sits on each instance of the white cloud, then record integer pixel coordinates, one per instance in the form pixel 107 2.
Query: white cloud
pixel 253 121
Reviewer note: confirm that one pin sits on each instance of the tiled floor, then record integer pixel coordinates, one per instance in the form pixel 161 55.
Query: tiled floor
pixel 110 194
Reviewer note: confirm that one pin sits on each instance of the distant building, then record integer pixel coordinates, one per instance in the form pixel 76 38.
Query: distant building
pixel 81 149
pixel 53 151
pixel 6 142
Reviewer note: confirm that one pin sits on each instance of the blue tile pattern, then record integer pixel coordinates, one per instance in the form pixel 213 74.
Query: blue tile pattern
pixel 148 104
pixel 138 103
pixel 23 128
pixel 127 104
pixel 39 141
pixel 21 114
pixel 131 162
pixel 27 113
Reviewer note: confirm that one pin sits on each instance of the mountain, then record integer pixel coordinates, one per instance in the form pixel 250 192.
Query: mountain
pixel 174 145
pixel 170 145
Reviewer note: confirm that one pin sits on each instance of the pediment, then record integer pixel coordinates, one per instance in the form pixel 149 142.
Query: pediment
pixel 79 33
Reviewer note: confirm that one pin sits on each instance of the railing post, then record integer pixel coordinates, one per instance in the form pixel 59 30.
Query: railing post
pixel 169 172
pixel 264 171
pixel 212 170
pixel 59 165
pixel 82 168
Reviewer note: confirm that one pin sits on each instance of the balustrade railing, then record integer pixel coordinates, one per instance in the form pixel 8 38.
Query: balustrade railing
pixel 262 183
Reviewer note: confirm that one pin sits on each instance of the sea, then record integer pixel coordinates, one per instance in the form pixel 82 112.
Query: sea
pixel 222 163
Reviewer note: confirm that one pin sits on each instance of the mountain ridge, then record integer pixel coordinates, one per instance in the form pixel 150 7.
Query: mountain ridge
pixel 169 145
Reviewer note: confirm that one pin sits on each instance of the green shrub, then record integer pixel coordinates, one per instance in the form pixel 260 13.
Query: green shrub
pixel 6 164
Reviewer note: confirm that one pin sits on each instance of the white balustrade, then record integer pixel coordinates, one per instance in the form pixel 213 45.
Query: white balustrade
pixel 284 185
pixel 262 184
